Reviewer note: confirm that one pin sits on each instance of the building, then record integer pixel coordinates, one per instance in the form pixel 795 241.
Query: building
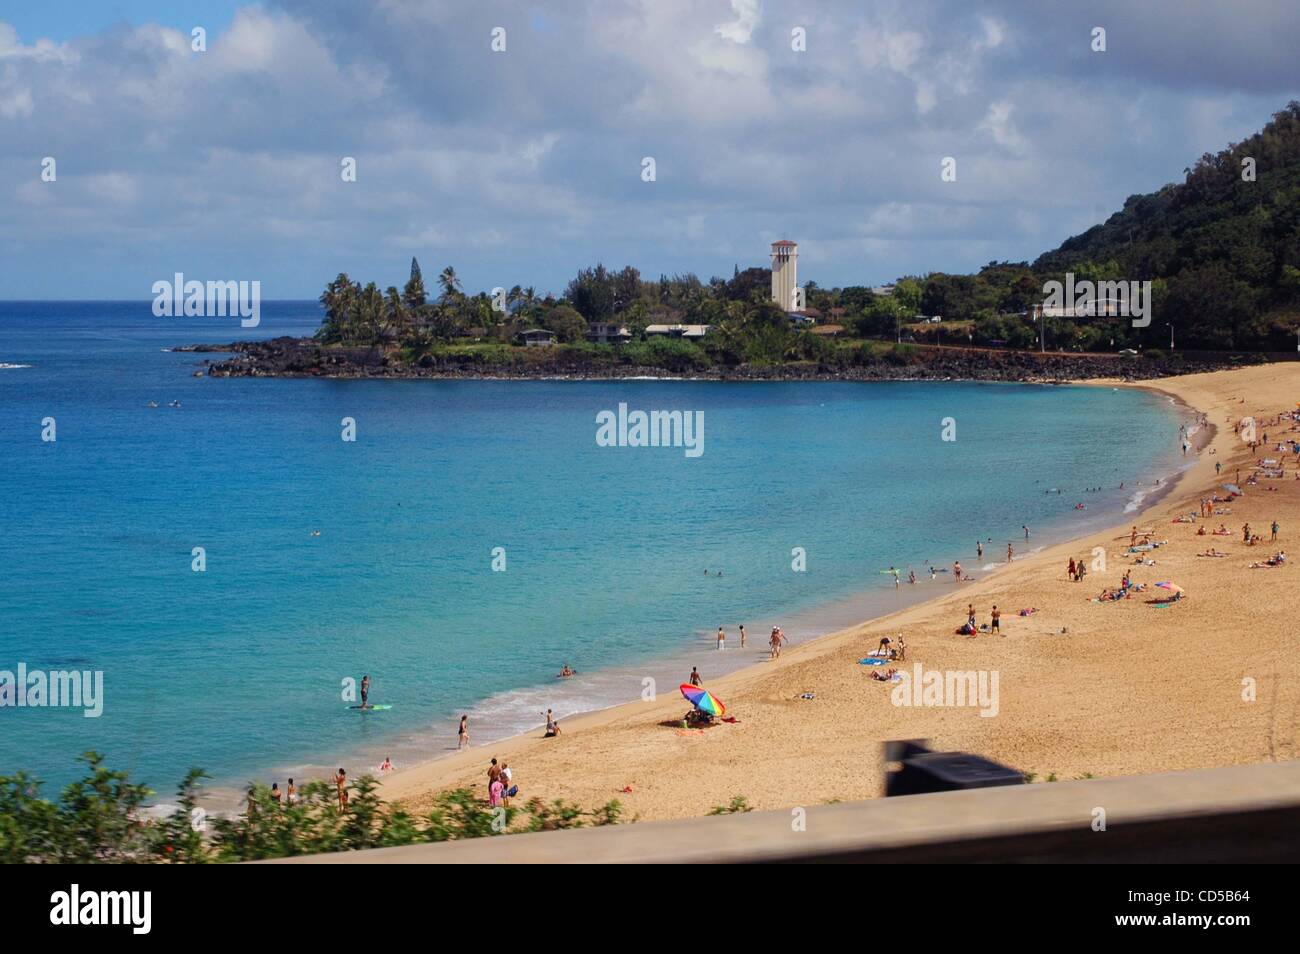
pixel 537 338
pixel 607 332
pixel 677 331
pixel 785 274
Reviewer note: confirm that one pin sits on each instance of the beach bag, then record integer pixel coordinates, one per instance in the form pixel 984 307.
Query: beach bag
pixel 514 790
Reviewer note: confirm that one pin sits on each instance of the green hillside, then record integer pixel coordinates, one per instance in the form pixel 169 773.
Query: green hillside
pixel 1224 252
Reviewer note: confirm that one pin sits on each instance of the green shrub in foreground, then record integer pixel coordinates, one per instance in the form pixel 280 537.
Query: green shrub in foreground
pixel 101 818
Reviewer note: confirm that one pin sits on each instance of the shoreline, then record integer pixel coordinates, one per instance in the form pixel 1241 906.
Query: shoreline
pixel 290 357
pixel 612 687
pixel 416 783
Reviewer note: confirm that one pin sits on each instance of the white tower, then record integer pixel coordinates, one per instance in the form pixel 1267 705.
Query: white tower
pixel 785 274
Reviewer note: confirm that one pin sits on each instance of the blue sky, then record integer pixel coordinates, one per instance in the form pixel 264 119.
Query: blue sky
pixel 63 20
pixel 520 167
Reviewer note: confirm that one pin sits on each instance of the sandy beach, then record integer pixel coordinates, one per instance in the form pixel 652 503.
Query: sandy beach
pixel 1084 688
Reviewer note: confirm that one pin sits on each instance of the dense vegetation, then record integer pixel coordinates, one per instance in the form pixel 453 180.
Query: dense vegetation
pixel 746 327
pixel 101 818
pixel 1222 251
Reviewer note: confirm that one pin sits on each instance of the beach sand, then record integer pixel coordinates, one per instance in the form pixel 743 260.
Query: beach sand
pixel 1085 688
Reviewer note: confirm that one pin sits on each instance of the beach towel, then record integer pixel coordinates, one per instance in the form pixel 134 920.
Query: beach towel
pixel 873 661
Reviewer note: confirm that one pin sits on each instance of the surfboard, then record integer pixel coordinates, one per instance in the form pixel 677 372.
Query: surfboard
pixel 370 708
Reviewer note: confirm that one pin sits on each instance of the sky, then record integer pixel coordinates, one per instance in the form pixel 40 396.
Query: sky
pixel 523 165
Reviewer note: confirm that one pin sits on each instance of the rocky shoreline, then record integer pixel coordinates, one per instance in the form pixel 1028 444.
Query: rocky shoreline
pixel 306 358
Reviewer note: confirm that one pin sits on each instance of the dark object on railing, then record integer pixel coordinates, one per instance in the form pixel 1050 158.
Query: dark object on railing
pixel 923 771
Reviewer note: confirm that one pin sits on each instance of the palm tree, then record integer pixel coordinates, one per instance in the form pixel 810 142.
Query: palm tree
pixel 337 300
pixel 449 282
pixel 397 317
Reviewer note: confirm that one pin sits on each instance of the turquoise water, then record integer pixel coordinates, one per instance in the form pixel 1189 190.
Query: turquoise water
pixel 239 669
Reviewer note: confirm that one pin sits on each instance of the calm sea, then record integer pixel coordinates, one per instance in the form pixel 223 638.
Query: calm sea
pixel 240 669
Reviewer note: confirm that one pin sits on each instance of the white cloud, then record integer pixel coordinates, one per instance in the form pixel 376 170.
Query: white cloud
pixel 741 29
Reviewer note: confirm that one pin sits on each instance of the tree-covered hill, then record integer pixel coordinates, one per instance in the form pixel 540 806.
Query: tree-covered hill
pixel 1222 248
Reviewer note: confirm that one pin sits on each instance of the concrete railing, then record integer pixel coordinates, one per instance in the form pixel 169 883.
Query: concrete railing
pixel 1240 814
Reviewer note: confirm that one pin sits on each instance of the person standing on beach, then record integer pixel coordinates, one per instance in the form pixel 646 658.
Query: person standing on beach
pixel 462 734
pixel 494 777
pixel 507 778
pixel 995 624
pixel 1011 554
pixel 341 783
pixel 290 794
pixel 695 677
pixel 956 571
pixel 1275 528
pixel 742 635
pixel 722 640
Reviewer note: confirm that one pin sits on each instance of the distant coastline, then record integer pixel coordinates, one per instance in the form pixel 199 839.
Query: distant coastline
pixel 288 357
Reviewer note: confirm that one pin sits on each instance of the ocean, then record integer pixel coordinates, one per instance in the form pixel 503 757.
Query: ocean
pixel 473 538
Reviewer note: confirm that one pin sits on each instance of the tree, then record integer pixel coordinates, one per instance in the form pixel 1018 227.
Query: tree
pixel 450 284
pixel 567 324
pixel 397 317
pixel 337 299
pixel 592 293
pixel 414 294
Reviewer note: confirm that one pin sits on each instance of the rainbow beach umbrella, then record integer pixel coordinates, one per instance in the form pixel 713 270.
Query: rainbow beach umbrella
pixel 703 700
